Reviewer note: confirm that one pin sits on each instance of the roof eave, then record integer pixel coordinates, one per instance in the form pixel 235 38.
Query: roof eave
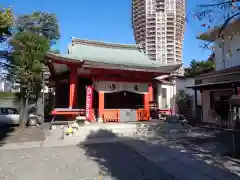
pixel 214 33
pixel 209 35
pixel 58 57
pixel 85 63
pixel 160 69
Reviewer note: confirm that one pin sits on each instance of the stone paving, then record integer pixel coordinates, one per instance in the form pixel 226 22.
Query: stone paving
pixel 199 150
pixel 10 134
pixel 186 153
pixel 180 162
pixel 112 161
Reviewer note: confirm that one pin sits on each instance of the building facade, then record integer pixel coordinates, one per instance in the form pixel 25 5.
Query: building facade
pixel 218 87
pixel 119 79
pixel 159 28
pixel 181 85
pixel 6 86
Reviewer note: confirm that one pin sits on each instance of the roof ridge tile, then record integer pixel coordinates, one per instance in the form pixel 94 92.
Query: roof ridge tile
pixel 104 44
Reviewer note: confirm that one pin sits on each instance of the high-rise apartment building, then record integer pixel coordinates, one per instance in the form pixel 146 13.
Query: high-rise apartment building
pixel 159 28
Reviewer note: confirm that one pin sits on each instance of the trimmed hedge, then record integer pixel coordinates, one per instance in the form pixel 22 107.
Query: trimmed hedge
pixel 4 95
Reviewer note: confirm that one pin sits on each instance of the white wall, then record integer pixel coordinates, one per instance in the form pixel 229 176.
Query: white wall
pixel 1 86
pixel 5 86
pixel 207 112
pixel 170 94
pixel 182 84
pixel 231 58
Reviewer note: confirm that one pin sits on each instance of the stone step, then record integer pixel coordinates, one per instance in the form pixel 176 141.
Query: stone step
pixel 57 134
pixel 96 130
pixel 81 132
pixel 90 134
pixel 129 133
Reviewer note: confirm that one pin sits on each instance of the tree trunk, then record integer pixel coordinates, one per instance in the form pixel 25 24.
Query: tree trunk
pixel 22 123
pixel 26 111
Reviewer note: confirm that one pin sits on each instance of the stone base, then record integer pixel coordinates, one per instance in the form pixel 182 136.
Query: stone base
pixel 86 122
pixel 99 120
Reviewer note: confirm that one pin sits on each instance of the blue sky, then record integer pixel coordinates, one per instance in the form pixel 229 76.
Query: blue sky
pixel 105 20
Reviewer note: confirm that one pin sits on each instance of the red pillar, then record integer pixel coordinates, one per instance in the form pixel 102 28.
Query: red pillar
pixel 146 107
pixel 147 98
pixel 101 105
pixel 150 92
pixel 73 87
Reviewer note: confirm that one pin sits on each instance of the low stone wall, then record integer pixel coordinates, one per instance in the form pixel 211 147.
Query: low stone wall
pixel 8 102
pixel 108 130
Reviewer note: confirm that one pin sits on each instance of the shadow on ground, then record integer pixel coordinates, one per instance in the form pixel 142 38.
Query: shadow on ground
pixel 210 145
pixel 5 132
pixel 12 134
pixel 112 158
pixel 216 141
pixel 121 162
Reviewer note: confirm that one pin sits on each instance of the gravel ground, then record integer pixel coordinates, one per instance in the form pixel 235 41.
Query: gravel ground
pixel 113 161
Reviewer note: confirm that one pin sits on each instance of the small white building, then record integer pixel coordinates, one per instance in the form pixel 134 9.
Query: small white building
pixel 6 86
pixel 182 84
pixel 167 89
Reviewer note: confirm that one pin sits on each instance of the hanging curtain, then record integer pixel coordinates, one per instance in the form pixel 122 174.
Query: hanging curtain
pixel 111 87
pixel 139 88
pixel 107 86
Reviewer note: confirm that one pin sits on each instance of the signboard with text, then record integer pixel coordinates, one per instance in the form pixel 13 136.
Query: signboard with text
pixel 89 97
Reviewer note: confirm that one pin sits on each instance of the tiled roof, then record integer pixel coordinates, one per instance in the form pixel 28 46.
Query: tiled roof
pixel 111 53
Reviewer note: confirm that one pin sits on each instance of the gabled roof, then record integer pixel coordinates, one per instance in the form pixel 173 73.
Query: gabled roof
pixel 94 52
pixel 213 34
pixel 222 72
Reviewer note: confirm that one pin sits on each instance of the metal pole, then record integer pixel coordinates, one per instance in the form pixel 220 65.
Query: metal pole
pixel 196 104
pixel 43 98
pixel 223 55
pixel 233 137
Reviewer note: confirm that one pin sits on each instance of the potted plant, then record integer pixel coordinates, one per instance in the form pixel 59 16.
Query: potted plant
pixel 80 120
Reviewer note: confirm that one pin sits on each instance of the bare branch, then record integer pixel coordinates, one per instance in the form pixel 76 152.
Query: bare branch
pixel 206 45
pixel 226 23
pixel 226 10
pixel 218 4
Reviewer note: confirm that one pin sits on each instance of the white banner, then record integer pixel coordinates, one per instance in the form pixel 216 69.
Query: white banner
pixel 110 87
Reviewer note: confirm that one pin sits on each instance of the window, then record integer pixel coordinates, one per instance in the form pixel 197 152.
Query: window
pixel 164 97
pixel 1 110
pixel 216 96
pixel 4 111
pixel 11 111
pixel 219 103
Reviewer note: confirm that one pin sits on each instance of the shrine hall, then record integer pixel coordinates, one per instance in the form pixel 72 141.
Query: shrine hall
pixel 107 82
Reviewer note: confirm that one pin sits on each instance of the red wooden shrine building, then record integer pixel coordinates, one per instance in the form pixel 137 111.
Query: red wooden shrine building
pixel 119 79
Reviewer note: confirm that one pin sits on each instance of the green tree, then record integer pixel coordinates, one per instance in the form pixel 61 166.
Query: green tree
pixel 183 100
pixel 25 65
pixel 46 25
pixel 200 67
pixel 6 22
pixel 41 23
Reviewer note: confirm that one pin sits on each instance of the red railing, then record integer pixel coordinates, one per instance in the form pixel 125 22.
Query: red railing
pixel 142 114
pixel 111 115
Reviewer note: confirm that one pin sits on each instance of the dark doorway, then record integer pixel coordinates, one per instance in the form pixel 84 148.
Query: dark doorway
pixel 95 102
pixel 62 95
pixel 123 100
pixel 81 91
